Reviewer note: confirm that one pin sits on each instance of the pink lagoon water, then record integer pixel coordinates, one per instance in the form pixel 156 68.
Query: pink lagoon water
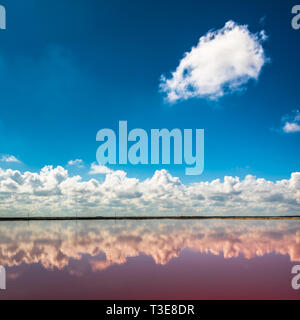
pixel 202 259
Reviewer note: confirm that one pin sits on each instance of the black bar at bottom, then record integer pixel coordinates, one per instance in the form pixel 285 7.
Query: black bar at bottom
pixel 154 309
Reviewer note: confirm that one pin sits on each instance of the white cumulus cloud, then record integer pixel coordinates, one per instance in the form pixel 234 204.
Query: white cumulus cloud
pixel 55 191
pixel 222 62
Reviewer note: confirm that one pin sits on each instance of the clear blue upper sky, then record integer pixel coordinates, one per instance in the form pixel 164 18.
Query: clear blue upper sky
pixel 69 68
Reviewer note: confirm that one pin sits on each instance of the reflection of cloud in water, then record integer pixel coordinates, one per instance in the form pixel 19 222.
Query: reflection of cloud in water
pixel 53 244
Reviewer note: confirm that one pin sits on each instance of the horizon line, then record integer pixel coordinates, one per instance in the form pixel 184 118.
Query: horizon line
pixel 150 218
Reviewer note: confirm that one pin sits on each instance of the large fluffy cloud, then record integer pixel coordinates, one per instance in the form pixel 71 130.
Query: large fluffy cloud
pixel 54 191
pixel 223 61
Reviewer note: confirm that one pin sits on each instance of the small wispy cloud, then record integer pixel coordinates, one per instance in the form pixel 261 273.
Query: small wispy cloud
pixel 262 20
pixel 99 169
pixel 222 62
pixel 9 159
pixel 76 163
pixel 291 122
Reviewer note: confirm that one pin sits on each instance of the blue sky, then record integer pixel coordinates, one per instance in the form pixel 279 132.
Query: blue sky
pixel 70 68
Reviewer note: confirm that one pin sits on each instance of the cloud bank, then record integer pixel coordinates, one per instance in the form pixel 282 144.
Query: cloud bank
pixel 222 62
pixel 54 191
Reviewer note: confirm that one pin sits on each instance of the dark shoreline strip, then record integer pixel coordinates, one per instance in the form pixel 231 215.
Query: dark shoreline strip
pixel 152 218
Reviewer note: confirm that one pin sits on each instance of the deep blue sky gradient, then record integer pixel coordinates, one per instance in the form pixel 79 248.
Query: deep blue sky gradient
pixel 69 68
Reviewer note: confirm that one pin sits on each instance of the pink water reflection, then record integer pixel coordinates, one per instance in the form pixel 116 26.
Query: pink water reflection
pixel 150 260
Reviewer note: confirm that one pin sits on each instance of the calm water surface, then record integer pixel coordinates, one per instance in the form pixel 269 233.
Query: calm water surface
pixel 213 259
